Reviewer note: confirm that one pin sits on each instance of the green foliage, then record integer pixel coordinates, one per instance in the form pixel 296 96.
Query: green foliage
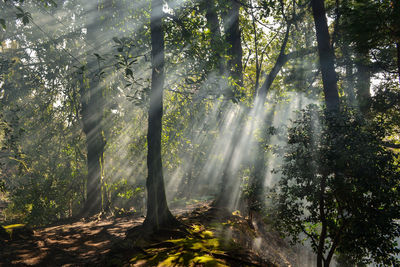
pixel 337 176
pixel 124 195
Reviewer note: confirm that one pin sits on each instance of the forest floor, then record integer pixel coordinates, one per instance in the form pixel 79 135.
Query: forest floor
pixel 77 243
pixel 215 239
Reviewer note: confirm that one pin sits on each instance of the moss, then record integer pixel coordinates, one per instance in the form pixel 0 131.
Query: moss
pixel 197 248
pixel 18 231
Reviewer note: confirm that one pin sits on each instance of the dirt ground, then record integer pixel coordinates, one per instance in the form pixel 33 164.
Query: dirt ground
pixel 91 242
pixel 78 243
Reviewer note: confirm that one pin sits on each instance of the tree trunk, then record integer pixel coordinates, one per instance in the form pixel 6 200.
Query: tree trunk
pixel 363 82
pixel 225 197
pixel 349 80
pixel 92 111
pixel 398 59
pixel 233 38
pixel 326 56
pixel 322 236
pixel 158 213
pixel 258 172
pixel 91 114
pixel 280 61
pixel 214 26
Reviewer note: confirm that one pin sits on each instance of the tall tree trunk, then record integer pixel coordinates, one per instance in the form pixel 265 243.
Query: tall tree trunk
pixel 326 56
pixel 158 213
pixel 92 110
pixel 363 82
pixel 329 80
pixel 214 26
pixel 91 114
pixel 233 38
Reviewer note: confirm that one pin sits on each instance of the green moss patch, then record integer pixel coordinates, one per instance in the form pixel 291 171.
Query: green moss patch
pixel 200 247
pixel 17 231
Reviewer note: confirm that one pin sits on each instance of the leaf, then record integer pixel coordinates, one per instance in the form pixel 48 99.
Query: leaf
pixel 25 20
pixel 128 72
pixel 3 23
pixel 133 61
pixel 116 40
pixel 98 56
pixel 20 10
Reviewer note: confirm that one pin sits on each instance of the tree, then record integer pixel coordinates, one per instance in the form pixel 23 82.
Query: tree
pixel 158 213
pixel 92 111
pixel 347 204
pixel 91 114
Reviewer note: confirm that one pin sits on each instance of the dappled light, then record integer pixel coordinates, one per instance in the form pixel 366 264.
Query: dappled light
pixel 199 133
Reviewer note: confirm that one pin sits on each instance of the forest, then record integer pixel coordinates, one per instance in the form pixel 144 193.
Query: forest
pixel 200 133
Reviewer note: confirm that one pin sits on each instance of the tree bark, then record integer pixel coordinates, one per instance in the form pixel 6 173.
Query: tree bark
pixel 322 236
pixel 363 82
pixel 214 26
pixel 280 61
pixel 91 114
pixel 326 56
pixel 233 38
pixel 92 111
pixel 158 213
pixel 349 85
pixel 398 59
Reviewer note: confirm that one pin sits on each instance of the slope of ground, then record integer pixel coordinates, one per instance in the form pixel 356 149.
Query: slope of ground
pixel 75 244
pixel 214 238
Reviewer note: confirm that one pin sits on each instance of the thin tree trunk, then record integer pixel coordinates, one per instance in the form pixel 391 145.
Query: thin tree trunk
pixel 158 213
pixel 398 59
pixel 326 56
pixel 258 65
pixel 257 176
pixel 280 61
pixel 322 237
pixel 326 60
